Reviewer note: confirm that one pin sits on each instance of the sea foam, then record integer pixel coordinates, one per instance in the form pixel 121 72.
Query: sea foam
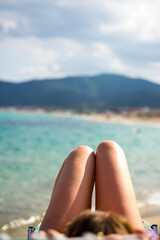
pixel 21 222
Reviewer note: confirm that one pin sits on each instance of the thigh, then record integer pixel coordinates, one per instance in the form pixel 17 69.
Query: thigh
pixel 114 189
pixel 72 192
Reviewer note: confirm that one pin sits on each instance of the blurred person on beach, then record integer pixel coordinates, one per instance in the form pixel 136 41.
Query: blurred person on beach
pixel 116 212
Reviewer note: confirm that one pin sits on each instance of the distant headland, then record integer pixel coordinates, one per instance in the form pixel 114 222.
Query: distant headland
pixel 98 93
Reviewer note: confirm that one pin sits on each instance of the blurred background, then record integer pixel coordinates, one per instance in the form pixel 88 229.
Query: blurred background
pixel 63 57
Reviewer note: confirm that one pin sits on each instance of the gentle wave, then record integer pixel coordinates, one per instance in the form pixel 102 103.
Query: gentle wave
pixel 152 199
pixel 22 222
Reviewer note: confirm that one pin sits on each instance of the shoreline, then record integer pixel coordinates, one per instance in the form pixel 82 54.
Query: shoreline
pixel 21 232
pixel 150 214
pixel 93 116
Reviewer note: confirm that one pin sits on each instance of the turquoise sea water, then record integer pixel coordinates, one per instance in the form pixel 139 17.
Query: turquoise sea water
pixel 33 147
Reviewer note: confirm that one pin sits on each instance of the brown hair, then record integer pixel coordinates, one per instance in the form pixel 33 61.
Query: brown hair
pixel 96 222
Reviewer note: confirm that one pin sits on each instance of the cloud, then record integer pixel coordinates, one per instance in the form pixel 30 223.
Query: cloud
pixel 136 18
pixel 7 25
pixel 13 24
pixel 107 59
pixel 86 19
pixel 68 37
pixel 61 56
pixel 41 71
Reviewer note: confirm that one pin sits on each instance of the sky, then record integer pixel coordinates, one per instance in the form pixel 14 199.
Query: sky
pixel 57 38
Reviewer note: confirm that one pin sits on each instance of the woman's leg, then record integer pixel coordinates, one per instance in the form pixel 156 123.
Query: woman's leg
pixel 73 188
pixel 114 189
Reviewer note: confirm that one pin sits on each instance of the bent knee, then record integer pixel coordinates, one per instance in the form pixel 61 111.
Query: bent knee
pixel 108 145
pixel 81 154
pixel 83 149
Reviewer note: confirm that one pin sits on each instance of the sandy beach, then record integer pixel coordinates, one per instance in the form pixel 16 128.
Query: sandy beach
pixel 119 118
pixel 132 118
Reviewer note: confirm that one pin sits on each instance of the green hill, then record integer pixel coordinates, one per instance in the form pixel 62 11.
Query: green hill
pixel 81 93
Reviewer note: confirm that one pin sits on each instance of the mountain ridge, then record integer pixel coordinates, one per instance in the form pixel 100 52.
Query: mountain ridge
pixel 82 92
